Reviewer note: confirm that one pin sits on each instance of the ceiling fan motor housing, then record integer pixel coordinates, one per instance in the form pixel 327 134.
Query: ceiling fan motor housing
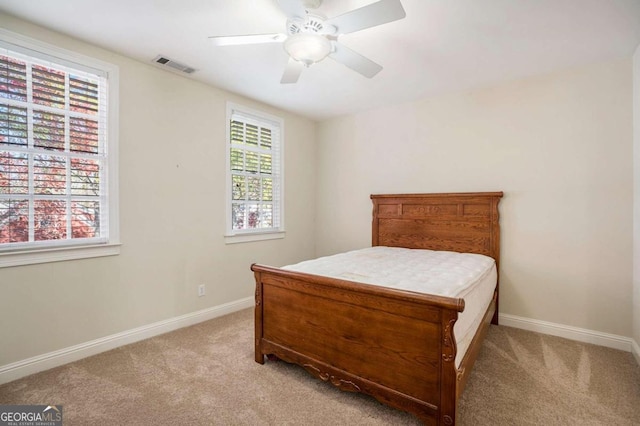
pixel 308 40
pixel 312 24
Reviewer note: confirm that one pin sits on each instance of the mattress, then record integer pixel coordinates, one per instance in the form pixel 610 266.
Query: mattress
pixel 472 277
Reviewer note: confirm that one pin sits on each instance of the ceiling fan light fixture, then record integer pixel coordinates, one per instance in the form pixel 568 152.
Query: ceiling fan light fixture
pixel 307 48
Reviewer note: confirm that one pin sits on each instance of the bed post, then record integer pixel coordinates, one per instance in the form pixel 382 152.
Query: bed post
pixel 495 248
pixel 259 356
pixel 448 398
pixel 374 222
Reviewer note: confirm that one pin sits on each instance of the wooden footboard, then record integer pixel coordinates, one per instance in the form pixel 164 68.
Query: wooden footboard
pixel 394 345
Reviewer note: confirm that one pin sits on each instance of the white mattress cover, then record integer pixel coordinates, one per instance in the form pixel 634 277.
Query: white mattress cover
pixel 471 277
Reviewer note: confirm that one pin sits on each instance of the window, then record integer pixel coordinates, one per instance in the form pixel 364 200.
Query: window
pixel 254 176
pixel 57 154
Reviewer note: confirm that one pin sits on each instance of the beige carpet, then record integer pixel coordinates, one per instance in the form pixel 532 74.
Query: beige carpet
pixel 206 375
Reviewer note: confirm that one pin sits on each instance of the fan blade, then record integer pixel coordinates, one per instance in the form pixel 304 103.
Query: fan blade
pixel 354 60
pixel 247 39
pixel 378 13
pixel 292 8
pixel 292 72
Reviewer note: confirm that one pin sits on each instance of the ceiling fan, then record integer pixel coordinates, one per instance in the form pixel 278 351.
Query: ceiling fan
pixel 311 37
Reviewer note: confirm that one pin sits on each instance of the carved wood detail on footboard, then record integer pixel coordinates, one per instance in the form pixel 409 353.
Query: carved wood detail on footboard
pixel 325 376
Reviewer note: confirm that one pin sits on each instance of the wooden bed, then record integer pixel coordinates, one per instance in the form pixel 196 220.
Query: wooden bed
pixel 397 346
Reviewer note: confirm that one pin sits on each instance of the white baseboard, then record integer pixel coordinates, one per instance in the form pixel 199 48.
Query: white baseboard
pixel 49 360
pixel 573 333
pixel 635 350
pixel 53 359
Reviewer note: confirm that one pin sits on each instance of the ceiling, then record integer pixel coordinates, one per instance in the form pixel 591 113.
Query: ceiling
pixel 441 45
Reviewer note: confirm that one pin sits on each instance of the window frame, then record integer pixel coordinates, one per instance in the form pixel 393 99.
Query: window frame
pixel 79 250
pixel 231 235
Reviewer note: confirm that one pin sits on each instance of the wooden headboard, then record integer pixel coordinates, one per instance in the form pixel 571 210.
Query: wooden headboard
pixel 462 222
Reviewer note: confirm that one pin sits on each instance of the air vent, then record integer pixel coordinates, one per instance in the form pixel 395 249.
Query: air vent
pixel 170 63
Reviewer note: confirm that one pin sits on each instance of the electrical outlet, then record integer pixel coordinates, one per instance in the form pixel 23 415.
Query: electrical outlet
pixel 201 290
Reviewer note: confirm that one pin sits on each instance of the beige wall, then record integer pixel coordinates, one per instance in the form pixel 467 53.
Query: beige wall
pixel 559 146
pixel 636 200
pixel 172 217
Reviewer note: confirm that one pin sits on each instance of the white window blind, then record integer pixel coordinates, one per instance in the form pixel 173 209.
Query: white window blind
pixel 254 174
pixel 53 152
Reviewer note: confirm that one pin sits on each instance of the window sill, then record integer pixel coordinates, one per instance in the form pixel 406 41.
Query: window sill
pixel 31 257
pixel 257 236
